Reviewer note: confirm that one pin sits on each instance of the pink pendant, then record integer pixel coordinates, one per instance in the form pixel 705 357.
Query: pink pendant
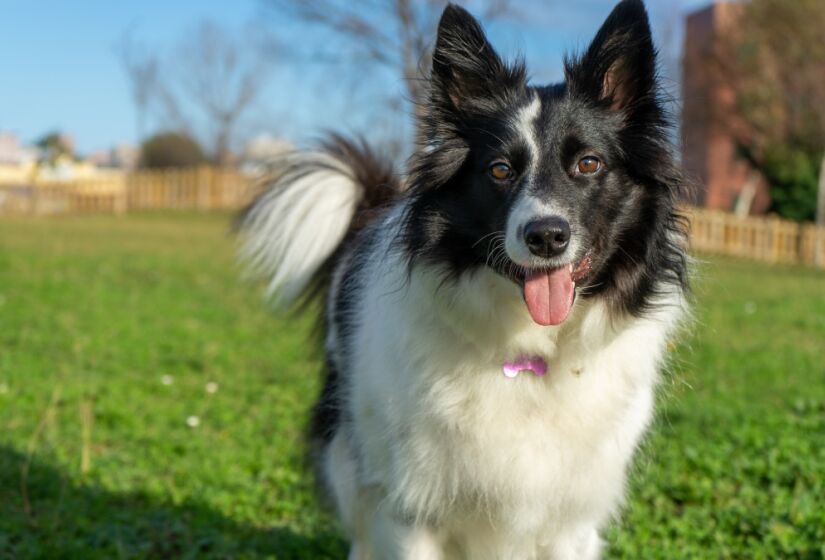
pixel 536 365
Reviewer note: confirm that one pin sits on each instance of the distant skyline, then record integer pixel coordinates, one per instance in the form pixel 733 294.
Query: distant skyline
pixel 60 71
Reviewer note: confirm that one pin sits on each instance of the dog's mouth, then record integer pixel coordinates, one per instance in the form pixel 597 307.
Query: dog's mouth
pixel 550 292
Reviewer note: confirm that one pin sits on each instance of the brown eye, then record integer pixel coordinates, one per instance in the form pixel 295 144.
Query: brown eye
pixel 588 165
pixel 501 171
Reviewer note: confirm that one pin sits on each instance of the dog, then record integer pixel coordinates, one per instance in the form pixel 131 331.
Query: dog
pixel 494 320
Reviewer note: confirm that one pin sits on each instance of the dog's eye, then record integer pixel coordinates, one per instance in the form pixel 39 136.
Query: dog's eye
pixel 501 171
pixel 588 165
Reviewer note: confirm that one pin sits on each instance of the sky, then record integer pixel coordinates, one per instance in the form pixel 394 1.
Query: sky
pixel 60 71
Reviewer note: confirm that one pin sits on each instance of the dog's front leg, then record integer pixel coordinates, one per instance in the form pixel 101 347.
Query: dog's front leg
pixel 387 538
pixel 582 544
pixel 397 541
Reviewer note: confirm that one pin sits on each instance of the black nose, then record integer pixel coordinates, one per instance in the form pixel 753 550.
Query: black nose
pixel 547 237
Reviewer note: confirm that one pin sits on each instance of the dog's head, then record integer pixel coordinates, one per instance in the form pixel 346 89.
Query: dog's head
pixel 564 188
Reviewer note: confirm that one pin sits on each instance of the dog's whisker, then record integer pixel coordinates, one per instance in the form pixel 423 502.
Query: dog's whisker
pixel 485 237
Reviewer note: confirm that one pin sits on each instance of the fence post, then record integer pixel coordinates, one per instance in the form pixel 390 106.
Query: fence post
pixel 34 208
pixel 203 187
pixel 776 230
pixel 818 239
pixel 819 258
pixel 120 198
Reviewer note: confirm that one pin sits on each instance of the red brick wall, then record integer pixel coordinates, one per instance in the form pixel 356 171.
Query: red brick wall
pixel 708 147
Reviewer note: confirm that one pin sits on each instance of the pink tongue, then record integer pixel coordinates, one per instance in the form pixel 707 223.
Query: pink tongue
pixel 549 295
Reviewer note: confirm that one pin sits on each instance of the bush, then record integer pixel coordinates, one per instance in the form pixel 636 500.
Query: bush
pixel 793 175
pixel 170 149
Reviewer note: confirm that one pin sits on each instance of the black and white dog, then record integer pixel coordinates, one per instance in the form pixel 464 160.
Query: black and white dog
pixel 494 321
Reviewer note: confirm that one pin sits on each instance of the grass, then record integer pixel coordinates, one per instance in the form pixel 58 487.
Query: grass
pixel 115 442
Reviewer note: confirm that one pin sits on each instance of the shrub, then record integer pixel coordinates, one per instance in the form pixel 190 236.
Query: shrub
pixel 170 149
pixel 793 175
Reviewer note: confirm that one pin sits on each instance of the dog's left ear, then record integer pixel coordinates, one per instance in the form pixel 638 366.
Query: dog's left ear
pixel 619 67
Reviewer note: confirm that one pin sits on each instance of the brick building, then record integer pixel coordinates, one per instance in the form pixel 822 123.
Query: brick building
pixel 709 151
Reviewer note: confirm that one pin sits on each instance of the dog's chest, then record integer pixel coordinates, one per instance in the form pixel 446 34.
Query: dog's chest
pixel 463 439
pixel 528 445
pixel 448 435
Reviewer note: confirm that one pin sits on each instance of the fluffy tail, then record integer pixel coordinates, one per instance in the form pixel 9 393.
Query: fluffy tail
pixel 292 232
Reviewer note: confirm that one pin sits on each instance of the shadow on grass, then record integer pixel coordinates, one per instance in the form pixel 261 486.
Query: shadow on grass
pixel 55 518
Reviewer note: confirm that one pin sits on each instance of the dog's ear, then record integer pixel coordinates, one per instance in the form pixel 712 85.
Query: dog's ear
pixel 619 67
pixel 466 68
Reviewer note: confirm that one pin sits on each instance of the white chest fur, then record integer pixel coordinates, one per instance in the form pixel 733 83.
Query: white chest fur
pixel 449 440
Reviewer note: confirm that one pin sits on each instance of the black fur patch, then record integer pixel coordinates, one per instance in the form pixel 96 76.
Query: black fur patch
pixel 326 415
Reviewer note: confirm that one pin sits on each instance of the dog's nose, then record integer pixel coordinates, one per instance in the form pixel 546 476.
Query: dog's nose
pixel 547 237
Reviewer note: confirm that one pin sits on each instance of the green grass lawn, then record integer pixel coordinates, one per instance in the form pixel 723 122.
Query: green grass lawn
pixel 151 407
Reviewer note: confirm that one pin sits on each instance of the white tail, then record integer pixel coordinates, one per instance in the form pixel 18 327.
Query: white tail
pixel 295 226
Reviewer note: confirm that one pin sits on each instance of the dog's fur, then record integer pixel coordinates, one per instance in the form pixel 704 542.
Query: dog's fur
pixel 426 448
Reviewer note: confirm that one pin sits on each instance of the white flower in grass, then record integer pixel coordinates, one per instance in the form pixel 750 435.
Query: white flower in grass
pixel 193 421
pixel 166 379
pixel 211 387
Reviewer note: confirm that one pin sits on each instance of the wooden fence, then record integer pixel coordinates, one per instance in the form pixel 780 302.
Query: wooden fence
pixel 202 188
pixel 57 197
pixel 768 239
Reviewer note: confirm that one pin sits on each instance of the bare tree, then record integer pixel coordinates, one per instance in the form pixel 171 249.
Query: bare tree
pixel 771 59
pixel 203 88
pixel 141 68
pixel 774 60
pixel 222 75
pixel 396 34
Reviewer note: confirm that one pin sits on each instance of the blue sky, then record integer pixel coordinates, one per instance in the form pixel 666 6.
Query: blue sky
pixel 59 70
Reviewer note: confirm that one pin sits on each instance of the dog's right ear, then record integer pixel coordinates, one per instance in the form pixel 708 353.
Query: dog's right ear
pixel 466 68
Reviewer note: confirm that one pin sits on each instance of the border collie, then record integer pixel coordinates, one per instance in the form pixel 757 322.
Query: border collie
pixel 494 321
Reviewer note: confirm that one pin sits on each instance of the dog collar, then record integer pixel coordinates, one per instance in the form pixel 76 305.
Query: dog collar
pixel 534 364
